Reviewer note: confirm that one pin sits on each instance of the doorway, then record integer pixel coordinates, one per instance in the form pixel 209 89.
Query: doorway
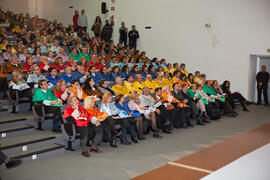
pixel 256 61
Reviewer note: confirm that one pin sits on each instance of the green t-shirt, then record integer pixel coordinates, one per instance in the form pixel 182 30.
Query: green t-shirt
pixel 85 55
pixel 76 57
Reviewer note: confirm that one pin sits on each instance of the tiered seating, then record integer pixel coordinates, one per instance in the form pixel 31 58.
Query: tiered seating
pixel 47 50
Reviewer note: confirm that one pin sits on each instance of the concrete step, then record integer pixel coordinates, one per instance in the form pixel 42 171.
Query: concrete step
pixel 16 131
pixel 40 153
pixel 27 145
pixel 13 123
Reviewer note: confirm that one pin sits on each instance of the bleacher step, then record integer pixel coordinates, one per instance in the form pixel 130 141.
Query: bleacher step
pixel 41 153
pixel 27 145
pixel 16 131
pixel 13 123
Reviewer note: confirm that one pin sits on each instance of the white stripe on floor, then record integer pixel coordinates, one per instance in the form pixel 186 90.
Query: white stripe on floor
pixel 190 167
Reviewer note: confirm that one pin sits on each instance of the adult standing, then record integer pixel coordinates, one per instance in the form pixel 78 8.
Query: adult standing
pixel 75 20
pixel 96 28
pixel 262 85
pixel 133 35
pixel 107 30
pixel 123 34
pixel 82 21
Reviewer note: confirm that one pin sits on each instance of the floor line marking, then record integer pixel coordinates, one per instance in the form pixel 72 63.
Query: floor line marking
pixel 190 167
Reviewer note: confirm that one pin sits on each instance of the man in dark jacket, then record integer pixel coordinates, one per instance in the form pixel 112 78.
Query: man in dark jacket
pixel 262 85
pixel 183 96
pixel 107 30
pixel 133 35
pixel 123 34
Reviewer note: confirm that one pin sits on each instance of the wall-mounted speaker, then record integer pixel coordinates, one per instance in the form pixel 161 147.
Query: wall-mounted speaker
pixel 104 8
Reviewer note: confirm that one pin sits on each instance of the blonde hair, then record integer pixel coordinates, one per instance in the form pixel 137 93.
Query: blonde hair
pixel 106 97
pixel 88 101
pixel 15 76
pixel 133 97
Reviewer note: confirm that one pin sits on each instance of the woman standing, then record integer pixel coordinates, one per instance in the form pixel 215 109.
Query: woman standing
pixel 96 28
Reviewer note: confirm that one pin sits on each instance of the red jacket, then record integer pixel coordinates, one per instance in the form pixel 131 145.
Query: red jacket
pixel 100 66
pixel 41 67
pixel 97 65
pixel 27 67
pixel 58 67
pixel 75 21
pixel 82 119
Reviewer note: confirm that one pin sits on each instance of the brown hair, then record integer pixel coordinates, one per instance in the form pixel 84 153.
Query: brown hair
pixel 58 85
pixel 57 60
pixel 118 97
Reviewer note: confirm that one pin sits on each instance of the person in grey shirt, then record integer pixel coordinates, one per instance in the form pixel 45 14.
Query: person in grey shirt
pixel 82 21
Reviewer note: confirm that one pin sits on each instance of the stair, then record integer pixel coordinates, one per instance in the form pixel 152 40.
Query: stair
pixel 20 139
pixel 40 153
pixel 16 131
pixel 27 145
pixel 12 122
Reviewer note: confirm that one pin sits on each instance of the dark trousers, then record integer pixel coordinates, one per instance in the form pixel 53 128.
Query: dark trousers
pixel 126 124
pixel 84 132
pixel 3 157
pixel 225 106
pixel 84 29
pixel 50 109
pixel 179 116
pixel 108 129
pixel 97 35
pixel 56 115
pixel 194 109
pixel 96 133
pixel 236 96
pixel 133 44
pixel 4 86
pixel 163 121
pixel 123 41
pixel 263 90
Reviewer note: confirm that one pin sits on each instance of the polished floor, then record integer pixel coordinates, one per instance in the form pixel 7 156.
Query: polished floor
pixel 127 162
pixel 214 157
pixel 254 165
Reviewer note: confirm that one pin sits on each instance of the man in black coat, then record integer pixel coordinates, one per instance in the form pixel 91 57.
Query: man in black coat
pixel 262 85
pixel 133 35
pixel 107 30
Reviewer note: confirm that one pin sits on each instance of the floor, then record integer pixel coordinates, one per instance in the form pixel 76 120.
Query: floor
pixel 257 163
pixel 127 162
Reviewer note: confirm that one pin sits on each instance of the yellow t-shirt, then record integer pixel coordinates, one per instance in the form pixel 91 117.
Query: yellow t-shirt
pixel 159 84
pixel 120 89
pixel 167 82
pixel 184 72
pixel 149 84
pixel 129 86
pixel 138 86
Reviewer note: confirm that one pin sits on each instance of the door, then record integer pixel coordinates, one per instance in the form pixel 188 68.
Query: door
pixel 266 61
